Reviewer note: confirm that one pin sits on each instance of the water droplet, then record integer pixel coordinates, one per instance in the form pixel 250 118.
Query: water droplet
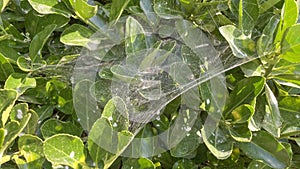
pixel 199 133
pixel 78 119
pixel 66 167
pixel 72 154
pixel 39 122
pixel 207 101
pixel 115 125
pixel 158 118
pixel 256 165
pixel 110 118
pixel 21 134
pixel 188 128
pixel 297 116
pixel 254 134
pixel 19 114
pixel 158 155
pixel 188 134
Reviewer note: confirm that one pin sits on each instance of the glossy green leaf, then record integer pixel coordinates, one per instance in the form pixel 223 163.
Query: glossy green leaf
pixel 217 142
pixel 31 147
pixel 248 15
pixel 2 135
pixel 7 101
pixel 184 164
pixel 19 82
pixel 289 16
pixel 116 112
pixel 242 113
pixel 291 44
pixel 289 78
pixel 266 148
pixel 13 130
pixel 9 53
pixel 38 42
pixel 141 163
pixel 135 37
pixel 50 7
pixel 53 126
pixel 76 35
pixel 167 9
pixel 83 9
pixel 5 68
pixel 245 92
pixel 240 44
pixel 272 120
pixel 265 43
pixel 116 9
pixel 85 105
pixel 105 143
pixel 35 23
pixel 64 149
pixel 257 164
pixel 289 112
pixel 240 132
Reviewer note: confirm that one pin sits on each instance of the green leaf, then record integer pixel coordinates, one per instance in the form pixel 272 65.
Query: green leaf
pixel 184 164
pixel 13 130
pixel 217 142
pixel 8 52
pixel 116 112
pixel 108 143
pixel 116 10
pixel 241 45
pixel 266 148
pixel 7 101
pixel 242 114
pixel 83 9
pixel 167 9
pixel 38 42
pixel 289 16
pixel 289 112
pixel 31 147
pixel 248 15
pixel 135 37
pixel 290 45
pixel 53 126
pixel 265 43
pixel 257 164
pixel 240 132
pixel 5 68
pixel 2 135
pixel 76 35
pixel 64 149
pixel 141 163
pixel 272 120
pixel 50 7
pixel 245 92
pixel 85 105
pixel 19 82
pixel 35 23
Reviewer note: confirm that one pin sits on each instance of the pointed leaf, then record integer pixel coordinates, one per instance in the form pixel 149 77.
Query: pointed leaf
pixel 291 44
pixel 76 35
pixel 7 101
pixel 5 68
pixel 117 8
pixel 50 7
pixel 241 45
pixel 266 148
pixel 83 9
pixel 19 82
pixel 39 41
pixel 248 15
pixel 240 132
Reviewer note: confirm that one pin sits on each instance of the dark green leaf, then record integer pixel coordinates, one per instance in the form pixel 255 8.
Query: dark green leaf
pixel 53 126
pixel 240 132
pixel 116 10
pixel 5 68
pixel 38 42
pixel 242 113
pixel 141 163
pixel 248 15
pixel 267 149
